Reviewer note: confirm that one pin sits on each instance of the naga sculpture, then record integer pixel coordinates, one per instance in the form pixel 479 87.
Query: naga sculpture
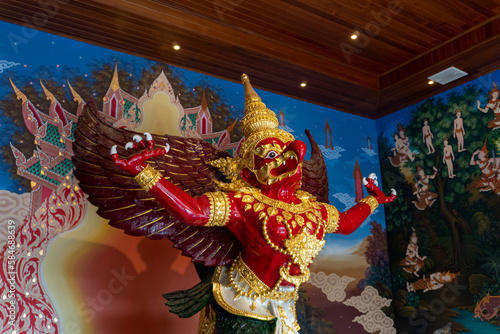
pixel 259 218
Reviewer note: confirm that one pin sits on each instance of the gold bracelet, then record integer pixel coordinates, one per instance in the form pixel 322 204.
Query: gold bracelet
pixel 371 201
pixel 220 208
pixel 148 177
pixel 332 222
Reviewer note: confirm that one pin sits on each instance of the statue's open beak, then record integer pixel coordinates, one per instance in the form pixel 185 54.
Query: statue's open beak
pixel 289 160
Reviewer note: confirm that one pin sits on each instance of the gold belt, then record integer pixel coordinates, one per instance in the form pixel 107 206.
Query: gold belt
pixel 257 288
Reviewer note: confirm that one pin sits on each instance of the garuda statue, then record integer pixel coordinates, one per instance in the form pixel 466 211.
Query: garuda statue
pixel 259 218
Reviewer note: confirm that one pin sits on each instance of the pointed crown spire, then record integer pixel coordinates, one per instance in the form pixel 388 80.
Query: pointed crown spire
pixel 258 123
pixel 257 116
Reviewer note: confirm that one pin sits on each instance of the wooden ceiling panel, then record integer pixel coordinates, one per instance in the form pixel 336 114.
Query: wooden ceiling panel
pixel 282 43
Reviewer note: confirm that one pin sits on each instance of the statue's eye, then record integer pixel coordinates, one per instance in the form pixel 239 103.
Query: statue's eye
pixel 271 155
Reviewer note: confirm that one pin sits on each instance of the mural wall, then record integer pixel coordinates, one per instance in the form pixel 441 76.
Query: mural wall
pixel 64 270
pixel 442 155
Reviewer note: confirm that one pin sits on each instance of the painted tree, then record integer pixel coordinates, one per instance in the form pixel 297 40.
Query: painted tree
pixel 453 193
pixel 393 178
pixel 378 258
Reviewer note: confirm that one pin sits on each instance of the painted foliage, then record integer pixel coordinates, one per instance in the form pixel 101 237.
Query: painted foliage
pixel 442 155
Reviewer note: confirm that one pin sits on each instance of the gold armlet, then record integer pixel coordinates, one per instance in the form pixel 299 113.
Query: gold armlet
pixel 371 201
pixel 148 177
pixel 220 208
pixel 332 223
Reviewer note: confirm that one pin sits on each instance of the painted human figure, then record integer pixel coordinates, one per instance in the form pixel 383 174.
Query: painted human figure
pixel 403 146
pixel 427 137
pixel 401 151
pixel 494 105
pixel 459 130
pixel 413 262
pixel 425 198
pixel 403 136
pixel 281 228
pixel 489 170
pixel 435 281
pixel 448 158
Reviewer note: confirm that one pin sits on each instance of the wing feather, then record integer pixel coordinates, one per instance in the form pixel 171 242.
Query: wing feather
pixel 314 175
pixel 128 207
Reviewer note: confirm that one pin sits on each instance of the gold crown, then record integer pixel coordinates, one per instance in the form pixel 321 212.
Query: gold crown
pixel 495 89
pixel 258 123
pixel 485 148
pixel 257 116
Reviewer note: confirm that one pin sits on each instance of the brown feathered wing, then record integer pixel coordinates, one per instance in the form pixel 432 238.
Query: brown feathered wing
pixel 314 176
pixel 120 199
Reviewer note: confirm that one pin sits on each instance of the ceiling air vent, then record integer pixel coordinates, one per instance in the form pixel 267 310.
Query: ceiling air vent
pixel 448 75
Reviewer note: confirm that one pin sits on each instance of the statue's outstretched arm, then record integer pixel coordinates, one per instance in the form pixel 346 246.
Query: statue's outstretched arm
pixel 209 209
pixel 351 219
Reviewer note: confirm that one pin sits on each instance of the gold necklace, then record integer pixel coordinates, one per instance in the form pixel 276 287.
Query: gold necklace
pixel 311 209
pixel 302 247
pixel 305 205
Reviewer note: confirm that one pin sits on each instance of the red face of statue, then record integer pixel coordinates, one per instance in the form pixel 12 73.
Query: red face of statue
pixel 275 161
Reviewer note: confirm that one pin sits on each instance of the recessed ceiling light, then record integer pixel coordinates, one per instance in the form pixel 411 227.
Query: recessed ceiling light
pixel 176 46
pixel 354 36
pixel 303 84
pixel 430 82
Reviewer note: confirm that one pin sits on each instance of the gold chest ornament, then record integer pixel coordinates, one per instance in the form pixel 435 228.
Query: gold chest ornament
pixel 301 247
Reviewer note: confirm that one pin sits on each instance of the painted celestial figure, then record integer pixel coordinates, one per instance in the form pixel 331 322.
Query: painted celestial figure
pixel 489 170
pixel 448 158
pixel 459 131
pixel 402 135
pixel 402 152
pixel 427 137
pixel 413 262
pixel 435 281
pixel 494 105
pixel 425 198
pixel 257 225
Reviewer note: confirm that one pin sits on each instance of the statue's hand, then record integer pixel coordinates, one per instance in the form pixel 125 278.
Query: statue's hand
pixel 371 185
pixel 136 162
